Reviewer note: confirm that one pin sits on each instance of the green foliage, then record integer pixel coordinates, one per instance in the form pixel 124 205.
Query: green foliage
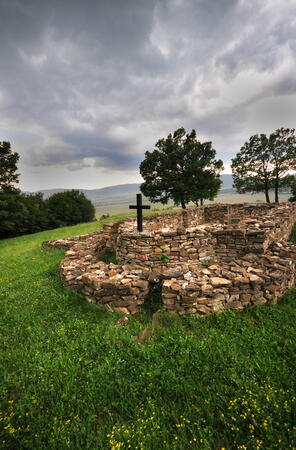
pixel 108 255
pixel 293 235
pixel 21 213
pixel 29 213
pixel 263 163
pixel 69 208
pixel 164 258
pixel 292 184
pixel 13 213
pixel 153 302
pixel 70 377
pixel 282 145
pixel 208 263
pixel 182 169
pixel 8 167
pixel 37 218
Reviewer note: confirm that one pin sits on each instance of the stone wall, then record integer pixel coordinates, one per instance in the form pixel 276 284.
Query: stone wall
pixel 182 245
pixel 257 228
pixel 255 233
pixel 252 280
pixel 250 261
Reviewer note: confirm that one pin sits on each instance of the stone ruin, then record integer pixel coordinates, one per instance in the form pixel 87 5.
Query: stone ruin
pixel 201 260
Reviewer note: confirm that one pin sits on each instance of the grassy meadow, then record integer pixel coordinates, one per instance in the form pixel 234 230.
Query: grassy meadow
pixel 119 206
pixel 71 377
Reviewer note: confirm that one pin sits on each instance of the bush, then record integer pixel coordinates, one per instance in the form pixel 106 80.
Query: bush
pixel 13 213
pixel 37 215
pixel 69 208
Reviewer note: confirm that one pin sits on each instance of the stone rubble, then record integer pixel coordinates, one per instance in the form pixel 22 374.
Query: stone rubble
pixel 205 259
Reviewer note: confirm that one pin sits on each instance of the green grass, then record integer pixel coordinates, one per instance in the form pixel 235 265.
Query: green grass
pixel 71 378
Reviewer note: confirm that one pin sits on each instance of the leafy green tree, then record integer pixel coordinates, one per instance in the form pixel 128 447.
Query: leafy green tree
pixel 8 167
pixel 181 168
pixel 252 167
pixel 69 208
pixel 282 144
pixel 12 208
pixel 204 184
pixel 263 163
pixel 13 213
pixel 37 213
pixel 291 182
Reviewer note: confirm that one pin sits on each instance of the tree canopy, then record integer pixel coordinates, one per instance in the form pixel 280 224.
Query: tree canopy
pixel 28 213
pixel 69 208
pixel 182 169
pixel 292 185
pixel 264 162
pixel 8 166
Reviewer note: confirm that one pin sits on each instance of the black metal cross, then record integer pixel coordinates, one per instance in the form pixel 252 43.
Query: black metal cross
pixel 139 207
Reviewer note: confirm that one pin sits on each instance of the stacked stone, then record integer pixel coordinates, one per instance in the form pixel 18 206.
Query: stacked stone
pixel 69 242
pixel 117 287
pixel 252 280
pixel 255 234
pixel 180 245
pixel 217 213
pixel 175 220
pixel 260 267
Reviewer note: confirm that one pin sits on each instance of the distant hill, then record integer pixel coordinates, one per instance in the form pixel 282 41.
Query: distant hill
pixel 94 193
pixel 123 193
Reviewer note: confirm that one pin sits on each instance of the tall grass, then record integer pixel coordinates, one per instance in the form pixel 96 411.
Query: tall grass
pixel 72 378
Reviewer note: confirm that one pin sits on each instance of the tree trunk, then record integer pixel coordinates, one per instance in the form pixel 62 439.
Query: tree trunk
pixel 266 195
pixel 276 191
pixel 201 202
pixel 183 204
pixel 266 189
pixel 276 188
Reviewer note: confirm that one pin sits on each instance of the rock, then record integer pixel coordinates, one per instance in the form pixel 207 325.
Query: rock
pixel 255 278
pixel 176 287
pixel 122 309
pixel 201 309
pixel 122 320
pixel 173 273
pixel 217 282
pixel 187 276
pixel 144 335
pixel 252 265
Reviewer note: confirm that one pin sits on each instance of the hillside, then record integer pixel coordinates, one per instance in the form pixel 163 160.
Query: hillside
pixel 116 199
pixel 122 191
pixel 72 377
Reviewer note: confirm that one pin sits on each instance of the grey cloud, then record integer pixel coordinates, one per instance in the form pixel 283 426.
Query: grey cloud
pixel 76 71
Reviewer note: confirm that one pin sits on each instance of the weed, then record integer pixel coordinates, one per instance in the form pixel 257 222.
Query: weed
pixel 108 256
pixel 208 263
pixel 164 258
pixel 293 235
pixel 71 378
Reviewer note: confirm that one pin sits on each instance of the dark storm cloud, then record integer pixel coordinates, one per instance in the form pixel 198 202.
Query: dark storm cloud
pixel 98 82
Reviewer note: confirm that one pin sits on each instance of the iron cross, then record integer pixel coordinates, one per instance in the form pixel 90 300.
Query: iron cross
pixel 139 207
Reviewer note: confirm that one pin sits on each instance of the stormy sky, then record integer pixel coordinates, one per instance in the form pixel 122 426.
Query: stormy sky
pixel 87 86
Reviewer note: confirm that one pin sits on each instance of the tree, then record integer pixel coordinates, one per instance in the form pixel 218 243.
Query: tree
pixel 8 167
pixel 13 213
pixel 182 169
pixel 282 144
pixel 204 185
pixel 263 163
pixel 69 208
pixel 252 168
pixel 292 184
pixel 37 214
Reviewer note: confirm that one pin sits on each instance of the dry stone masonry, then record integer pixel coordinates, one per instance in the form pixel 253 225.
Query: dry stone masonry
pixel 203 260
